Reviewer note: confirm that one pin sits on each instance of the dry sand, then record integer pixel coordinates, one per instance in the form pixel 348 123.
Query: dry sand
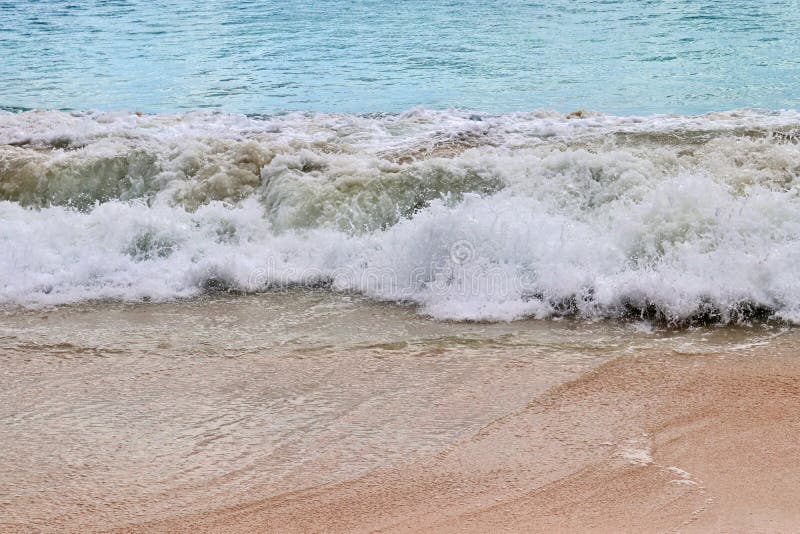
pixel 645 443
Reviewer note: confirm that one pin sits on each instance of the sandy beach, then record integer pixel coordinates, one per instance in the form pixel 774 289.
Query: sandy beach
pixel 648 443
pixel 561 428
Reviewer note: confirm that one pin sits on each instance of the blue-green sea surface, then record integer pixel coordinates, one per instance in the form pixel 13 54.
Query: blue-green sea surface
pixel 620 57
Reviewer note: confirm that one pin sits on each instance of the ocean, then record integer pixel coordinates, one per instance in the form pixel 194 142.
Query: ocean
pixel 249 245
pixel 597 159
pixel 617 57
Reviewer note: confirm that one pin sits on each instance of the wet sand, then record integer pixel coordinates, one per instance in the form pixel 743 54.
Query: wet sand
pixel 646 443
pixel 308 412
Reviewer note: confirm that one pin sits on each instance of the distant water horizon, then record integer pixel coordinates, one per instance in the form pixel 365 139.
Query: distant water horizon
pixel 622 57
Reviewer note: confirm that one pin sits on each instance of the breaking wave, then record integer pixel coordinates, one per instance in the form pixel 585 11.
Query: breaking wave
pixel 468 216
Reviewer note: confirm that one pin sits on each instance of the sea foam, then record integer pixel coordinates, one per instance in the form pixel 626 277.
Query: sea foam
pixel 468 216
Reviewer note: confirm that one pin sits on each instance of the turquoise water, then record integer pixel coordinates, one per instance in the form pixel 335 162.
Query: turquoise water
pixel 618 57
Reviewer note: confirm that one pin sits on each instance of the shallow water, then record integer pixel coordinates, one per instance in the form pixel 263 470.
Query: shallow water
pixel 117 413
pixel 624 56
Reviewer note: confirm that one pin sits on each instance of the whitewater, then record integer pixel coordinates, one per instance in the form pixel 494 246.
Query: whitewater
pixel 464 215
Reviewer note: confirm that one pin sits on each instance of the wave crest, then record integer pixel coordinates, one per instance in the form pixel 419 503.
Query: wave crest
pixel 468 216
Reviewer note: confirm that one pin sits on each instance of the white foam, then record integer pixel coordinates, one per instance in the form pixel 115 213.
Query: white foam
pixel 521 224
pixel 685 478
pixel 636 456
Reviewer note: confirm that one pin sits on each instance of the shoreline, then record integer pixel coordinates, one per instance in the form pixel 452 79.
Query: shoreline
pixel 651 442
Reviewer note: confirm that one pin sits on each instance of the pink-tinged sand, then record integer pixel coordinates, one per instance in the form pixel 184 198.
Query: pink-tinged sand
pixel 645 443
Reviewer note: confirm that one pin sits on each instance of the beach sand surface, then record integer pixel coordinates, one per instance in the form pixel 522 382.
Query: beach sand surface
pixel 646 443
pixel 307 412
